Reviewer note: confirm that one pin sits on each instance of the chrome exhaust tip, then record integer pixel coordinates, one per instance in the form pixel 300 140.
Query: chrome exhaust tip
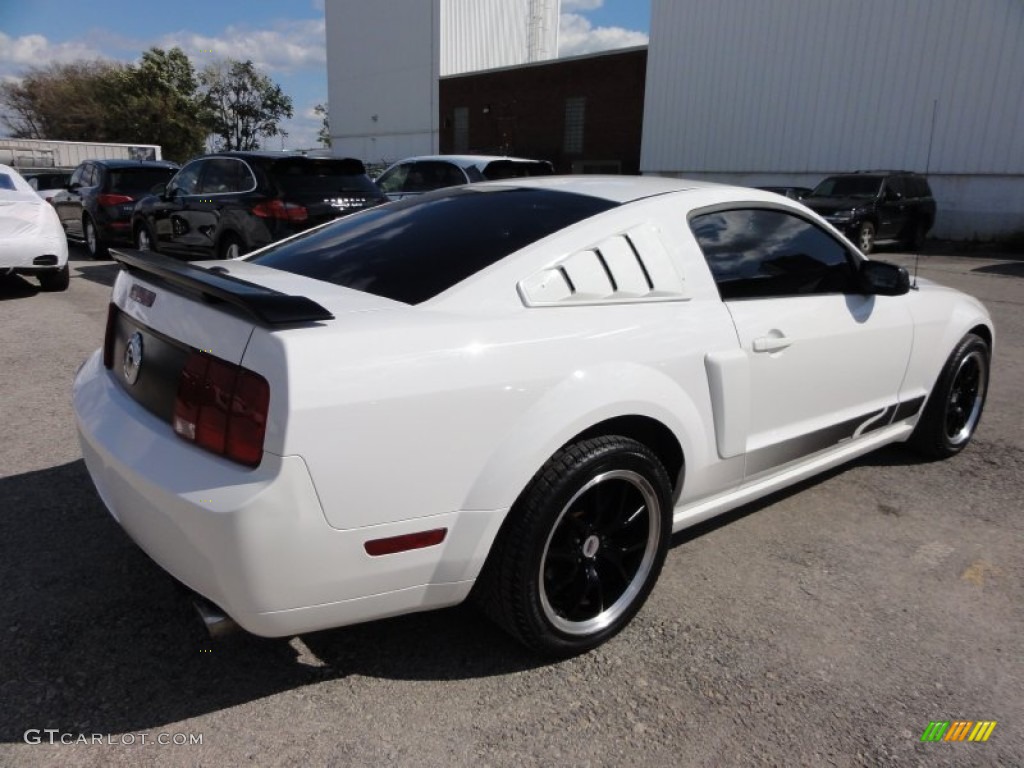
pixel 218 624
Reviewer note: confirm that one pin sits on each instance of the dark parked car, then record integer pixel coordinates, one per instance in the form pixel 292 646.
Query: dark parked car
pixel 416 175
pixel 96 206
pixel 869 206
pixel 229 203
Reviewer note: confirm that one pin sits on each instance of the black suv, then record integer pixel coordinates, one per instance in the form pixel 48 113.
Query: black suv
pixel 868 206
pixel 96 205
pixel 229 203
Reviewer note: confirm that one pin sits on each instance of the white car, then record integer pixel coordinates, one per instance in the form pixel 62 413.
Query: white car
pixel 416 175
pixel 515 390
pixel 31 239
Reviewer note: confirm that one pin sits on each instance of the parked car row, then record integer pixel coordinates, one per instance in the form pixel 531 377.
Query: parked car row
pixel 226 204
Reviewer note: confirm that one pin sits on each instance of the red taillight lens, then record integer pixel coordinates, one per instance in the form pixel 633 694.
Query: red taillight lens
pixel 108 336
pixel 222 407
pixel 279 209
pixel 110 199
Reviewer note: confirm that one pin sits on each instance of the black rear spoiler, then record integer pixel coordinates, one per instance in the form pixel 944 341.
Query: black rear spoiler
pixel 268 306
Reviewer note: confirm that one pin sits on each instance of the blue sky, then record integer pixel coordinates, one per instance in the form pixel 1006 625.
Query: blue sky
pixel 286 39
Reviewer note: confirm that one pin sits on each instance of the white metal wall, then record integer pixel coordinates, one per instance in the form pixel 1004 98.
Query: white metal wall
pixel 795 89
pixel 485 34
pixel 383 62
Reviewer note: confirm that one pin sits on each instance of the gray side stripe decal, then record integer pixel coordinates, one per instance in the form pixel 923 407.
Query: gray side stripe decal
pixel 797 447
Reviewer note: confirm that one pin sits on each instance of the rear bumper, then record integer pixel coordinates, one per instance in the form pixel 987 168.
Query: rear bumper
pixel 256 542
pixel 21 252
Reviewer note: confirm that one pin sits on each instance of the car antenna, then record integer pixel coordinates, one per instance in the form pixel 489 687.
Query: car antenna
pixel 917 259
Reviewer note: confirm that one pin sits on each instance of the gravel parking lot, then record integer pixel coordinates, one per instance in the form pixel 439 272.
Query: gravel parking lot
pixel 827 625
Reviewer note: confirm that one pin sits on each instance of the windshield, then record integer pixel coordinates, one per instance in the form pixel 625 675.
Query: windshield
pixel 849 186
pixel 412 250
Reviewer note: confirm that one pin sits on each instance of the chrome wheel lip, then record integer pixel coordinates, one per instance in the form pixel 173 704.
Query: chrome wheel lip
pixel 612 613
pixel 975 359
pixel 233 251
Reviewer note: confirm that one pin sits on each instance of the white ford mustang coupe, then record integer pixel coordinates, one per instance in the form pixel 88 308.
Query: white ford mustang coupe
pixel 512 390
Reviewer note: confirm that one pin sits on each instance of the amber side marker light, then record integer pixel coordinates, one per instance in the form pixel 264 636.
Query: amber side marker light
pixel 393 544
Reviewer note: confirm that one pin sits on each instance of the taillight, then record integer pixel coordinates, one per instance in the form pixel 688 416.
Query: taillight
pixel 108 336
pixel 222 407
pixel 110 199
pixel 279 209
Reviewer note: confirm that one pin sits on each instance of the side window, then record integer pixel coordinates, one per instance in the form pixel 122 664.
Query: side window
pixel 428 175
pixel 89 176
pixel 78 175
pixel 394 180
pixel 896 185
pixel 186 180
pixel 763 253
pixel 224 175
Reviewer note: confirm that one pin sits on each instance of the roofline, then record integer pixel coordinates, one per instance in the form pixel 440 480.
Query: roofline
pixel 547 62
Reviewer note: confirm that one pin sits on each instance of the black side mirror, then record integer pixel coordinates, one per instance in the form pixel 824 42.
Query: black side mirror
pixel 880 278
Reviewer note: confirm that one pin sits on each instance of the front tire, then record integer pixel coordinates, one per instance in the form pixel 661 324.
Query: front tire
pixel 866 237
pixel 955 404
pixel 58 280
pixel 230 247
pixel 582 547
pixel 143 241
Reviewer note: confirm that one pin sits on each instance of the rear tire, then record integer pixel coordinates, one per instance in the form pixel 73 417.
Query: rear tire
pixel 955 404
pixel 93 243
pixel 58 280
pixel 581 548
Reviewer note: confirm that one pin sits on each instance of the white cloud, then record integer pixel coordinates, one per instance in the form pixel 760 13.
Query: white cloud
pixel 287 46
pixel 581 5
pixel 18 53
pixel 577 35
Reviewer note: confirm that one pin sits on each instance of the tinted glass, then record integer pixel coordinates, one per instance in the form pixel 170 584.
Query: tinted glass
pixel 221 176
pixel 6 182
pixel 187 179
pixel 849 186
pixel 510 169
pixel 137 181
pixel 427 175
pixel 896 184
pixel 394 179
pixel 307 179
pixel 414 249
pixel 757 253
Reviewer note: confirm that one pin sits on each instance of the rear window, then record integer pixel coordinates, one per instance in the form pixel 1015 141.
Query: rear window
pixel 302 177
pixel 415 249
pixel 511 169
pixel 138 181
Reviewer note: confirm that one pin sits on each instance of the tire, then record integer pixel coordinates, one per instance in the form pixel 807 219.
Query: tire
pixel 93 242
pixel 581 548
pixel 143 239
pixel 955 404
pixel 58 280
pixel 230 247
pixel 866 237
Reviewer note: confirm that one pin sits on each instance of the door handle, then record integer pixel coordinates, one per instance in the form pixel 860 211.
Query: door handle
pixel 771 343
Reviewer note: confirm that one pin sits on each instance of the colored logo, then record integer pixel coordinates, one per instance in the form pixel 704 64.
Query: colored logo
pixel 958 730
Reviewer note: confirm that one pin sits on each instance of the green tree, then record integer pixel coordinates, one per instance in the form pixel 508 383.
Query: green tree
pixel 62 101
pixel 324 134
pixel 156 101
pixel 159 102
pixel 244 104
